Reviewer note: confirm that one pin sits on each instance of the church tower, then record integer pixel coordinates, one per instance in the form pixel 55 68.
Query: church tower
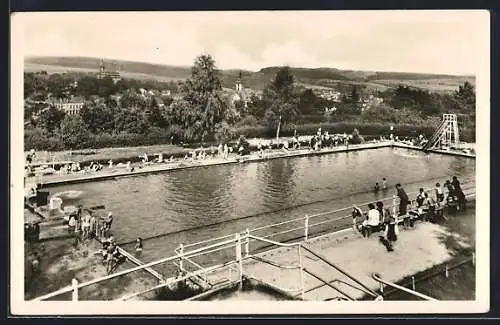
pixel 101 66
pixel 239 87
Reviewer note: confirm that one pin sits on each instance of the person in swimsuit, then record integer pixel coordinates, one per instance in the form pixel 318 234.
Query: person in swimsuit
pixel 384 184
pixel 356 213
pixel 86 226
pixel 420 198
pixel 72 224
pixel 138 246
pixel 391 234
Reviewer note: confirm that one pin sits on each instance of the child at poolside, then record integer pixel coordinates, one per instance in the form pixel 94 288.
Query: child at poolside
pixel 391 234
pixel 86 226
pixel 138 246
pixel 72 224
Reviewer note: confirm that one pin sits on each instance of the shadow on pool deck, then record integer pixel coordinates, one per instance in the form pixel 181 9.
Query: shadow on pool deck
pixel 416 250
pixel 461 283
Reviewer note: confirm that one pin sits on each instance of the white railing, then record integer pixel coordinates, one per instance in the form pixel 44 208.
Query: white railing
pixel 382 282
pixel 239 241
pixel 196 252
pixel 310 221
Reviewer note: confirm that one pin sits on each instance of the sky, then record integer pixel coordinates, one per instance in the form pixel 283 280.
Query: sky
pixel 450 42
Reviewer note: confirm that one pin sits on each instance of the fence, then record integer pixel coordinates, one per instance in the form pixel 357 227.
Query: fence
pixel 238 248
pixel 307 227
pixel 443 269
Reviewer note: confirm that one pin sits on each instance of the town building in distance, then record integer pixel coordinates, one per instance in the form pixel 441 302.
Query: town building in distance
pixel 103 73
pixel 71 106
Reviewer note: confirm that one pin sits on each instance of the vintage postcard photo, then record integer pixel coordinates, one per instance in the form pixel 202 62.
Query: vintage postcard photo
pixel 250 162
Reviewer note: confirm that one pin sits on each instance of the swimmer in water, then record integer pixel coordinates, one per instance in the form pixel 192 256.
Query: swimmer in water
pixel 384 184
pixel 377 187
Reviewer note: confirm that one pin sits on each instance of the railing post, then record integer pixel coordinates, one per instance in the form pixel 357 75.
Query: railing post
pixel 74 284
pixel 381 287
pixel 394 212
pixel 247 243
pixel 306 227
pixel 239 258
pixel 473 259
pixel 446 271
pixel 181 254
pixel 413 282
pixel 301 270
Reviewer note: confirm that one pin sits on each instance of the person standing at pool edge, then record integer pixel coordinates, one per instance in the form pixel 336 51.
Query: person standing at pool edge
pixel 384 184
pixel 403 202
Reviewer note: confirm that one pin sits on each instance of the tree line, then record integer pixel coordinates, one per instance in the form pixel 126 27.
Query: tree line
pixel 200 110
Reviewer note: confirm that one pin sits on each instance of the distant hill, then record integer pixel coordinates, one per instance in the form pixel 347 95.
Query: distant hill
pixel 319 77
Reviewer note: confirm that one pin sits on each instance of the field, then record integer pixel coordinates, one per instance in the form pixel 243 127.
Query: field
pixel 31 67
pixel 321 77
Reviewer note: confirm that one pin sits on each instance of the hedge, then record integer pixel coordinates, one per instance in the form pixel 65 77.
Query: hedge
pixel 34 139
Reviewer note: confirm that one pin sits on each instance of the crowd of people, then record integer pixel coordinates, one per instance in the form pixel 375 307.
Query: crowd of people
pixel 86 225
pixel 424 207
pixel 325 140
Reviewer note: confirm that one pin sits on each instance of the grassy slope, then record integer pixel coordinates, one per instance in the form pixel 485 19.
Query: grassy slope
pixel 326 77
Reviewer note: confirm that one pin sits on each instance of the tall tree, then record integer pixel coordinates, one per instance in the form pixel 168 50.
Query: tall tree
pixel 466 94
pixel 202 107
pixel 309 103
pixel 74 132
pixel 279 99
pixel 51 119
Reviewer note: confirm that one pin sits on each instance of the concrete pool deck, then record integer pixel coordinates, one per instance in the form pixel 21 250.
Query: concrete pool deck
pixel 416 250
pixel 81 177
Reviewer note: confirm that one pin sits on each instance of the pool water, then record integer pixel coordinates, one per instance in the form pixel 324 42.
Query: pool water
pixel 190 205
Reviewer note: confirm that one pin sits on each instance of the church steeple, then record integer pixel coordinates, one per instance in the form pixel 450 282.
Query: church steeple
pixel 238 82
pixel 101 66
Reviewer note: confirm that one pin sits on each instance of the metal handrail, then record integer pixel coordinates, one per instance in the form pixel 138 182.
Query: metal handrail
pixel 207 241
pixel 194 253
pixel 328 284
pixel 377 278
pixel 175 280
pixel 282 232
pixel 339 281
pixel 264 260
pixel 133 269
pixel 318 215
pixel 274 242
pixel 337 268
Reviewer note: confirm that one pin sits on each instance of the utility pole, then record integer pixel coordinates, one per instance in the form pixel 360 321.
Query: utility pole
pixel 278 130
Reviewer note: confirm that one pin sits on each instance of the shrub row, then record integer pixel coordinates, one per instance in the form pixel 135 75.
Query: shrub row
pixel 35 139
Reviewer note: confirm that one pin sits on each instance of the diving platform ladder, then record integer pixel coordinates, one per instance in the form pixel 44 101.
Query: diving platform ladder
pixel 446 134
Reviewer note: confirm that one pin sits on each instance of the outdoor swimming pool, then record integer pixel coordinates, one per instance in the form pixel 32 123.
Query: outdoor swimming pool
pixel 221 200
